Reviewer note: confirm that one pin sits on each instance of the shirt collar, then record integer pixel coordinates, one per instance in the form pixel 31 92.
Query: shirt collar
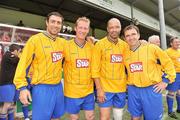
pixel 49 36
pixel 78 44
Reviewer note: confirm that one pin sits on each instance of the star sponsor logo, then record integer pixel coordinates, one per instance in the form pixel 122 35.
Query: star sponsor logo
pixel 56 56
pixel 116 58
pixel 82 63
pixel 136 67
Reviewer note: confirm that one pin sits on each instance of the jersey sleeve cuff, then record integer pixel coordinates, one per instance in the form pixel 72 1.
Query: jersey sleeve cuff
pixel 165 80
pixel 22 88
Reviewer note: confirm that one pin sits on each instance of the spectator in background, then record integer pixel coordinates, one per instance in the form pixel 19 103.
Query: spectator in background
pixel 174 88
pixel 1 51
pixel 7 89
pixel 5 37
pixel 20 23
pixel 154 39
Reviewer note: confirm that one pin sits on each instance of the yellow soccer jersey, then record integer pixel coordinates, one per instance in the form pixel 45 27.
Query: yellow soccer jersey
pixel 77 70
pixel 44 55
pixel 175 57
pixel 109 66
pixel 142 66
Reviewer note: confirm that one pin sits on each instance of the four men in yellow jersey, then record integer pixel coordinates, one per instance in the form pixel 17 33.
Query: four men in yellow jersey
pixel 174 54
pixel 144 79
pixel 43 52
pixel 78 85
pixel 109 69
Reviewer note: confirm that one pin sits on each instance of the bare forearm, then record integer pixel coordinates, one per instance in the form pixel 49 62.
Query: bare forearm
pixel 97 83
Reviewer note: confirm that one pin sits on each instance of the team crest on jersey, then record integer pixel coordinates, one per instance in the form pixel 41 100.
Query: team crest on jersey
pixel 116 58
pixel 56 56
pixel 136 67
pixel 82 63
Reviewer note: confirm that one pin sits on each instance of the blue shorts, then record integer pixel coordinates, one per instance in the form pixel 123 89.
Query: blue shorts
pixel 117 100
pixel 7 93
pixel 47 101
pixel 175 85
pixel 74 105
pixel 145 101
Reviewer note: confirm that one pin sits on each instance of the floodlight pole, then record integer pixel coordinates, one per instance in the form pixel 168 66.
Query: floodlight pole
pixel 162 25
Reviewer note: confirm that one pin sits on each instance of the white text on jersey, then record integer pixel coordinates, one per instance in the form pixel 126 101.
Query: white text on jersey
pixel 56 56
pixel 82 63
pixel 136 67
pixel 116 58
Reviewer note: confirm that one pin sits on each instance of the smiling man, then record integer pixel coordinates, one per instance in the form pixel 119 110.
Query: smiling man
pixel 43 52
pixel 174 54
pixel 145 82
pixel 78 85
pixel 110 71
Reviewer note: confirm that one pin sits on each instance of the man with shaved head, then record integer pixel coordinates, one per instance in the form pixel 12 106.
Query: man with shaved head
pixel 110 71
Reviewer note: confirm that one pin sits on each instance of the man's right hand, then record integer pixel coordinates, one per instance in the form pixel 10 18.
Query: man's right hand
pixel 101 95
pixel 25 97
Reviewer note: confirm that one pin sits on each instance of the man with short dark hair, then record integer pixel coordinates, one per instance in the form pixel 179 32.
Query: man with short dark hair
pixel 43 52
pixel 145 84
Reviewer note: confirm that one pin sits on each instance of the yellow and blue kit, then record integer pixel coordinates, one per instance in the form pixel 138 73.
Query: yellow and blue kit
pixel 175 57
pixel 78 84
pixel 44 54
pixel 77 70
pixel 142 67
pixel 143 74
pixel 109 67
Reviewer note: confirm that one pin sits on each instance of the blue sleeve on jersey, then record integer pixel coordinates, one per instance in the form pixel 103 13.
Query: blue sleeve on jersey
pixel 164 79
